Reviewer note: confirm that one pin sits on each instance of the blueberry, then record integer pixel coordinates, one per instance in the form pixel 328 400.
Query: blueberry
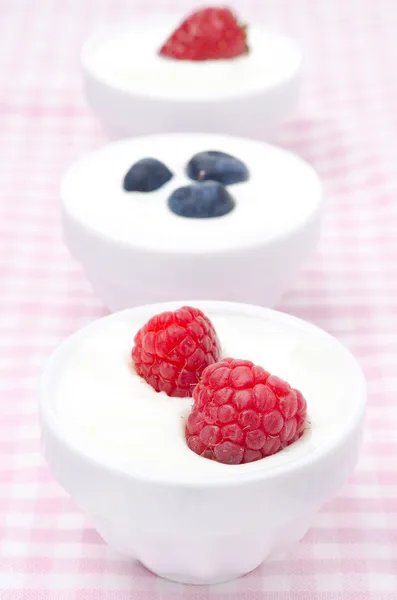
pixel 146 175
pixel 217 166
pixel 201 201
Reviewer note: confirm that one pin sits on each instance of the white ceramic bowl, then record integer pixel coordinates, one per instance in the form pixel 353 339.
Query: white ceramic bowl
pixel 133 91
pixel 196 529
pixel 135 251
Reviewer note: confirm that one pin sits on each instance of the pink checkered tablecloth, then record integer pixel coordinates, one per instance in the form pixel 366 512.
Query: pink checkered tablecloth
pixel 347 128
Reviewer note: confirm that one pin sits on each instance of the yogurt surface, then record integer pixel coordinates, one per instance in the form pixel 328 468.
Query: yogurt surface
pixel 106 410
pixel 282 192
pixel 128 59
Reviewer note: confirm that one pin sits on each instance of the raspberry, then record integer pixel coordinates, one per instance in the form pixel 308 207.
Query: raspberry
pixel 241 413
pixel 172 350
pixel 207 34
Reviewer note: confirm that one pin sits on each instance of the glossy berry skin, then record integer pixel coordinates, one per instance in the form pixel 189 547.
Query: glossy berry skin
pixel 172 350
pixel 217 166
pixel 207 34
pixel 241 413
pixel 201 201
pixel 146 175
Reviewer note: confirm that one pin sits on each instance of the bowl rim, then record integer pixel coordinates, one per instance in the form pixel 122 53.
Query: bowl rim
pixel 222 139
pixel 51 423
pixel 170 21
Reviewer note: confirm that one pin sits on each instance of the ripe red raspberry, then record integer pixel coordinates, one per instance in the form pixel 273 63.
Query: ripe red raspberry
pixel 172 350
pixel 241 413
pixel 207 34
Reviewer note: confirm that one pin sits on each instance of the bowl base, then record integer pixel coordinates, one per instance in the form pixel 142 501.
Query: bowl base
pixel 187 562
pixel 184 579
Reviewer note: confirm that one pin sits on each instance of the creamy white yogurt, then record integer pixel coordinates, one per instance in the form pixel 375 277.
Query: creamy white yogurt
pixel 128 59
pixel 109 412
pixel 282 193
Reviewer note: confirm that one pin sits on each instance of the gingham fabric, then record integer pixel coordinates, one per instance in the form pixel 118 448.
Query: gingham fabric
pixel 347 128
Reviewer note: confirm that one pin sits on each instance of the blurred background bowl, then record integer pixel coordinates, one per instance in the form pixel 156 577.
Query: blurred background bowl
pixel 134 91
pixel 134 250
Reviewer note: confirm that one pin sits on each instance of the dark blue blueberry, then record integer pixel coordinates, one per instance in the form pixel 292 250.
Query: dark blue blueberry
pixel 201 201
pixel 217 166
pixel 146 175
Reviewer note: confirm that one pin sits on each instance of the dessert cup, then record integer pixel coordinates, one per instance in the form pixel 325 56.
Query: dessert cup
pixel 134 250
pixel 134 91
pixel 216 522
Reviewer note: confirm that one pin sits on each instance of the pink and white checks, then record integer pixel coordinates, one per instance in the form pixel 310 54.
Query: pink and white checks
pixel 347 128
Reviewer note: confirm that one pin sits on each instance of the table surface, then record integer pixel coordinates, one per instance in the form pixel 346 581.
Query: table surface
pixel 347 128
